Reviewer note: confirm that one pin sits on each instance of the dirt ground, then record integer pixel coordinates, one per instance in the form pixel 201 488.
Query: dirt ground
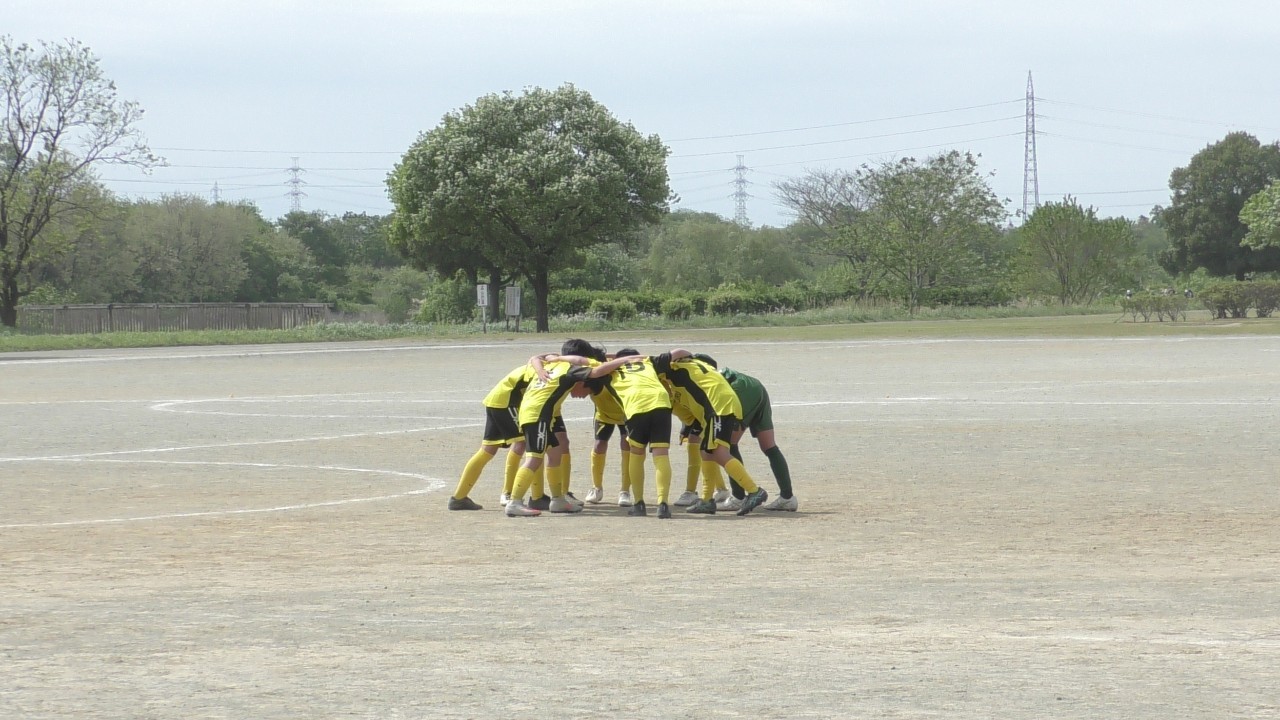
pixel 988 528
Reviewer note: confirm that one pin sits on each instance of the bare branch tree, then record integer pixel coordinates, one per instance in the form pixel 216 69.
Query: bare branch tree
pixel 62 118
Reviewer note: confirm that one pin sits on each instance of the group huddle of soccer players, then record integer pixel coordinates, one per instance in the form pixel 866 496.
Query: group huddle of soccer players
pixel 638 394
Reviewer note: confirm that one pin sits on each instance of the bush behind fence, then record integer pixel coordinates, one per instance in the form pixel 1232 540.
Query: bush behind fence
pixel 152 317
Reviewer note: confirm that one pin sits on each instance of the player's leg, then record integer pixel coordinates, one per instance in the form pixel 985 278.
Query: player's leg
pixel 717 445
pixel 555 467
pixel 693 467
pixel 538 437
pixel 599 453
pixel 514 456
pixel 625 498
pixel 499 429
pixel 659 438
pixel 470 474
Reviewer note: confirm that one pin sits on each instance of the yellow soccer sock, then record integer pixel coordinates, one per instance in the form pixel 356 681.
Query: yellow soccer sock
pixel 471 473
pixel 597 469
pixel 566 463
pixel 739 473
pixel 539 487
pixel 662 476
pixel 513 465
pixel 555 480
pixel 626 471
pixel 695 467
pixel 525 479
pixel 712 480
pixel 635 461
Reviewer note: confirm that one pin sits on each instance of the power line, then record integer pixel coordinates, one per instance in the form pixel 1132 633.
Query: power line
pixel 843 124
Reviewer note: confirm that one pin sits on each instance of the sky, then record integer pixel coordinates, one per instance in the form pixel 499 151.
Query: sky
pixel 282 102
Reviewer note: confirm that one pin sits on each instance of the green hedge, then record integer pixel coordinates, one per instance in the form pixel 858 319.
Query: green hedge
pixel 1235 299
pixel 1159 306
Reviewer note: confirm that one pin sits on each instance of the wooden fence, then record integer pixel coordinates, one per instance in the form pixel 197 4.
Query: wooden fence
pixel 146 317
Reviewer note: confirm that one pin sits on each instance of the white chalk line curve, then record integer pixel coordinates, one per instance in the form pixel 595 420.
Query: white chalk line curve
pixel 433 484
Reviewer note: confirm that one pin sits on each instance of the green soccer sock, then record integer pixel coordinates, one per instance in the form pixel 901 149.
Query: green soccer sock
pixel 778 463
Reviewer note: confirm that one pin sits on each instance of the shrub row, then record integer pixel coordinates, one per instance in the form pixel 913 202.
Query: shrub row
pixel 1235 299
pixel 728 299
pixel 1159 306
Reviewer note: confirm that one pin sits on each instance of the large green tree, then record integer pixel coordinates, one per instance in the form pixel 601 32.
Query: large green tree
pixel 520 182
pixel 1203 217
pixel 920 224
pixel 1261 213
pixel 1071 254
pixel 62 118
pixel 190 250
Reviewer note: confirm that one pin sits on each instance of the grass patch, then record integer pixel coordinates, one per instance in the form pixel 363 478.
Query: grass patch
pixel 839 323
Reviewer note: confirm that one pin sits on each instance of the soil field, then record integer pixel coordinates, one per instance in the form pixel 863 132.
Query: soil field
pixel 988 527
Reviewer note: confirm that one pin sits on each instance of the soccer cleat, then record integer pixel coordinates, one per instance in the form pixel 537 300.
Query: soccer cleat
pixel 504 498
pixel 753 500
pixel 721 495
pixel 563 505
pixel 703 507
pixel 780 503
pixel 595 495
pixel 465 503
pixel 573 499
pixel 624 499
pixel 729 503
pixel 515 508
pixel 688 497
pixel 542 503
pixel 664 511
pixel 638 509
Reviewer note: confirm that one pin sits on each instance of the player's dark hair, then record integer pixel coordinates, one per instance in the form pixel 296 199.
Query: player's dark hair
pixel 706 359
pixel 578 346
pixel 626 352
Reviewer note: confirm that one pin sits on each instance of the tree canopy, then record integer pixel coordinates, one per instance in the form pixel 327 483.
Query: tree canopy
pixel 518 183
pixel 921 224
pixel 1203 218
pixel 1070 253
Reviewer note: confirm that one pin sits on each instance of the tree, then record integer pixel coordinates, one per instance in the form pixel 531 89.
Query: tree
pixel 62 118
pixel 919 223
pixel 1069 252
pixel 520 182
pixel 190 250
pixel 1203 218
pixel 1261 213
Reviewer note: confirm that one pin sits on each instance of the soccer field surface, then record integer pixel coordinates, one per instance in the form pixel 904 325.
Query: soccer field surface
pixel 988 527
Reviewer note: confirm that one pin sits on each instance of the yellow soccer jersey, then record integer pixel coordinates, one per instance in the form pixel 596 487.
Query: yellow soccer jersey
pixel 698 387
pixel 542 400
pixel 637 388
pixel 608 409
pixel 509 391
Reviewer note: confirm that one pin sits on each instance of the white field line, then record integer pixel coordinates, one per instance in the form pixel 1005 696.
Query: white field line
pixel 432 484
pixel 248 443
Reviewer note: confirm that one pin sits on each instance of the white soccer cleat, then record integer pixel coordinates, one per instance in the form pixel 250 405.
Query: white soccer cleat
pixel 686 499
pixel 595 495
pixel 515 508
pixel 721 495
pixel 563 505
pixel 624 499
pixel 504 498
pixel 729 503
pixel 574 500
pixel 781 504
